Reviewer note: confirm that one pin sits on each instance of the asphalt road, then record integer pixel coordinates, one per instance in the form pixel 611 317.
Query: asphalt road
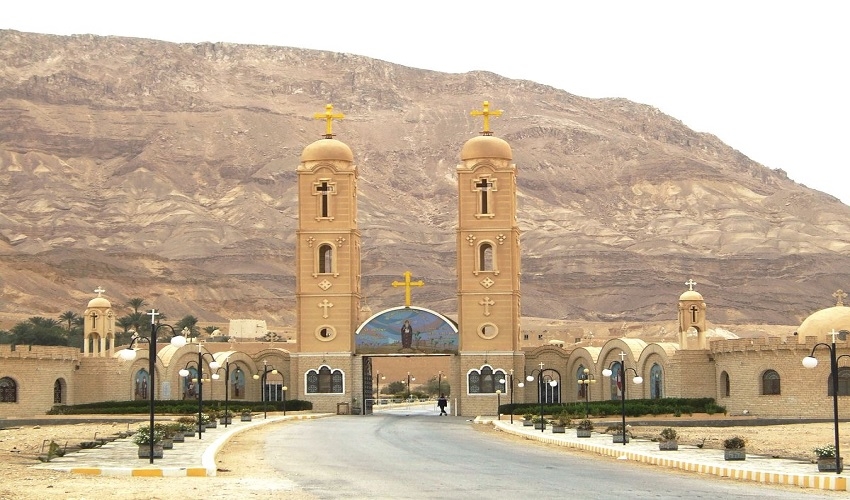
pixel 412 453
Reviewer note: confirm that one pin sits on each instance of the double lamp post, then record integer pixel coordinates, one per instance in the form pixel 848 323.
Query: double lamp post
pixel 621 382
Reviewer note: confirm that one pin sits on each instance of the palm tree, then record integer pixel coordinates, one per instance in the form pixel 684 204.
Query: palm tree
pixel 189 322
pixel 210 329
pixel 136 304
pixel 68 316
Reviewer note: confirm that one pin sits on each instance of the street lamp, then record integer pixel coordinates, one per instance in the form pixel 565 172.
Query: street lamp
pixel 499 402
pixel 409 378
pixel 378 378
pixel 185 373
pixel 226 390
pixel 540 389
pixel 284 397
pixel 585 380
pixel 263 395
pixel 129 354
pixel 511 385
pixel 621 380
pixel 810 362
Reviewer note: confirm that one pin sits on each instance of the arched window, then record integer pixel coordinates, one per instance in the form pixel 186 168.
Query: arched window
pixel 843 382
pixel 325 381
pixel 485 257
pixel 547 392
pixel 58 391
pixel 615 382
pixel 485 381
pixel 326 253
pixel 770 382
pixel 190 384
pixel 141 382
pixel 656 382
pixel 485 186
pixel 237 384
pixel 8 390
pixel 724 384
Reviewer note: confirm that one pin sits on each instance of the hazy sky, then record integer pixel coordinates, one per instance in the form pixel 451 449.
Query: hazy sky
pixel 769 78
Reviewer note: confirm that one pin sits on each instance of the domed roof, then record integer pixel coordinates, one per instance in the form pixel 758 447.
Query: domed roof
pixel 486 146
pixel 820 323
pixel 327 149
pixel 99 302
pixel 691 295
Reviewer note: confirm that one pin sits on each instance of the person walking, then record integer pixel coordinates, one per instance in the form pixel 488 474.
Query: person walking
pixel 442 402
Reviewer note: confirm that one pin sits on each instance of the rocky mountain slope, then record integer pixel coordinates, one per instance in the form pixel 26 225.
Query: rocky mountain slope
pixel 167 171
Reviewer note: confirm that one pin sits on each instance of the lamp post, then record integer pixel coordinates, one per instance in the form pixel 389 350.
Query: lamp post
pixel 129 354
pixel 284 398
pixel 409 378
pixel 378 378
pixel 266 370
pixel 621 379
pixel 499 403
pixel 510 385
pixel 226 390
pixel 439 383
pixel 552 383
pixel 810 362
pixel 185 373
pixel 586 379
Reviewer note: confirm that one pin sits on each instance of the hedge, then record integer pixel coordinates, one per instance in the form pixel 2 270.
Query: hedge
pixel 634 407
pixel 178 407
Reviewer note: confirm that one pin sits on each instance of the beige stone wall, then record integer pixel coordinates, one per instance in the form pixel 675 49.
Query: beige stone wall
pixel 35 369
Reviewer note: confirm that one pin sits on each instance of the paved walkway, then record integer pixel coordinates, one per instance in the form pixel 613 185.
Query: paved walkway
pixel 757 468
pixel 196 457
pixel 193 457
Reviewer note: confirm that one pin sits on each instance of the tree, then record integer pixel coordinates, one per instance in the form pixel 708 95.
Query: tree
pixel 69 316
pixel 136 304
pixel 39 331
pixel 188 322
pixel 397 387
pixel 210 329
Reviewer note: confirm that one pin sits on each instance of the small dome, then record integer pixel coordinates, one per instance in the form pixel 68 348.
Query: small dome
pixel 99 302
pixel 691 295
pixel 820 323
pixel 486 146
pixel 327 149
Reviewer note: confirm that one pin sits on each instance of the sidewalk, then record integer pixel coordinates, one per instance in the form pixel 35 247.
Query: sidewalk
pixel 756 468
pixel 193 457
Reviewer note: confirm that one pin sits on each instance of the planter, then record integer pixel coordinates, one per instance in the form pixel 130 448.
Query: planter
pixel 583 433
pixel 145 450
pixel 735 454
pixel 828 464
pixel 539 426
pixel 212 424
pixel 559 429
pixel 225 420
pixel 245 418
pixel 527 423
pixel 668 445
pixel 618 438
pixel 179 437
pixel 167 444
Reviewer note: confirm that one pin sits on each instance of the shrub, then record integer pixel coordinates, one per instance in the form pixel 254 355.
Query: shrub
pixel 585 425
pixel 734 443
pixel 827 451
pixel 669 434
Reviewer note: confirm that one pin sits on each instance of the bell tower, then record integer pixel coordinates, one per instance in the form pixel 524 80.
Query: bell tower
pixel 98 327
pixel 327 281
pixel 692 318
pixel 488 262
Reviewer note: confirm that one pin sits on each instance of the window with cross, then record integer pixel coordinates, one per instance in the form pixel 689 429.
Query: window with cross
pixel 485 186
pixel 323 190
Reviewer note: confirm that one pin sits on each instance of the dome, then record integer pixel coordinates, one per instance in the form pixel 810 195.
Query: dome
pixel 99 302
pixel 486 146
pixel 691 295
pixel 820 323
pixel 327 149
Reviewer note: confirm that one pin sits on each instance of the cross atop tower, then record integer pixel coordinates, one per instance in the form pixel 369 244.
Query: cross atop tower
pixel 407 284
pixel 486 113
pixel 691 284
pixel 329 116
pixel 839 295
pixel 100 291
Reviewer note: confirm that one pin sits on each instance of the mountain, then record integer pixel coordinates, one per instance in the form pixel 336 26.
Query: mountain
pixel 167 171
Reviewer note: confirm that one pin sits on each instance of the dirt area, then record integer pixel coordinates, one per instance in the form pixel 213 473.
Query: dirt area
pixel 243 473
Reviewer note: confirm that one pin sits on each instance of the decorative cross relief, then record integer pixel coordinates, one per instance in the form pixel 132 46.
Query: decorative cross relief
pixel 691 284
pixel 325 284
pixel 471 239
pixel 340 241
pixel 501 238
pixel 310 241
pixel 839 295
pixel 486 302
pixel 325 305
pixel 487 282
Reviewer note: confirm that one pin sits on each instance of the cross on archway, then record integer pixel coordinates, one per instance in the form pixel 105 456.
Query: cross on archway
pixel 486 113
pixel 407 284
pixel 329 116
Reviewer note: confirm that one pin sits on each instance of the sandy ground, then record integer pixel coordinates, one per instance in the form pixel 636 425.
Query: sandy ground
pixel 243 473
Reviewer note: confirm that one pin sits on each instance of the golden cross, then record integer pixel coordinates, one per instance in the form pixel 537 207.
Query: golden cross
pixel 839 294
pixel 486 113
pixel 329 116
pixel 407 284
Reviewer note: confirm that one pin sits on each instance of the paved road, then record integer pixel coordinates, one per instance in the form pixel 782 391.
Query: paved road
pixel 411 453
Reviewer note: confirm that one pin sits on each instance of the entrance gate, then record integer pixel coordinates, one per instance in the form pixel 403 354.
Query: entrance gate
pixel 368 397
